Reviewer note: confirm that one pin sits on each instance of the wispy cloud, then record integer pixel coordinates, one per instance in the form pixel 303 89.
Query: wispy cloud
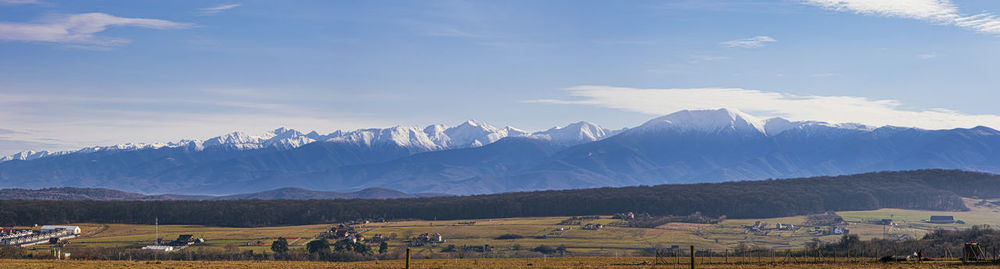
pixel 927 56
pixel 825 75
pixel 65 121
pixel 217 9
pixel 706 58
pixel 79 29
pixel 753 42
pixel 443 30
pixel 834 109
pixel 935 11
pixel 20 2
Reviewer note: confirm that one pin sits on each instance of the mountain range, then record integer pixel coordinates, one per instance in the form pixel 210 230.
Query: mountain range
pixel 690 146
pixel 100 194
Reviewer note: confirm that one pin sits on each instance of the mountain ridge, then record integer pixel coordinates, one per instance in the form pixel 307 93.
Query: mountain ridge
pixel 432 137
pixel 684 147
pixel 287 193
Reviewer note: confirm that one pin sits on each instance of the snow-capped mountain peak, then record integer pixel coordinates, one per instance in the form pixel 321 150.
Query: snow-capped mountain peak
pixel 409 137
pixel 709 121
pixel 31 155
pixel 473 134
pixel 579 132
pixel 431 138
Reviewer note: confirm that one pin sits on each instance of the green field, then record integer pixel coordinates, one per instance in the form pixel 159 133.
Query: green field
pixel 609 241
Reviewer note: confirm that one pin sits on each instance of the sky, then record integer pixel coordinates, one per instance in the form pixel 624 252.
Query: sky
pixel 81 73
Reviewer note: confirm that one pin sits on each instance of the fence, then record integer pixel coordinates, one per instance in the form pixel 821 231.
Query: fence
pixel 681 258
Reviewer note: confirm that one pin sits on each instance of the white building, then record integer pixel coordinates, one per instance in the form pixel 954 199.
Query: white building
pixel 159 248
pixel 75 230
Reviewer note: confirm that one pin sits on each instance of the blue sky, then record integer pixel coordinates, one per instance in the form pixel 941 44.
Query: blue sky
pixel 77 73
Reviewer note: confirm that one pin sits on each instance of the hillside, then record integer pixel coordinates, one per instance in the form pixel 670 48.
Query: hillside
pixel 922 189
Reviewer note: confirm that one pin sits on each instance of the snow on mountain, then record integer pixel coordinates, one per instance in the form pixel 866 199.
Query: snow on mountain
pixel 709 121
pixel 775 126
pixel 433 137
pixel 284 138
pixel 475 134
pixel 31 155
pixel 580 132
pixel 238 141
pixel 715 121
pixel 469 134
pixel 409 137
pixel 280 138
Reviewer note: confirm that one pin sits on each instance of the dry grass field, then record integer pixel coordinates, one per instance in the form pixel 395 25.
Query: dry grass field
pixel 621 241
pixel 610 241
pixel 572 262
pixel 136 236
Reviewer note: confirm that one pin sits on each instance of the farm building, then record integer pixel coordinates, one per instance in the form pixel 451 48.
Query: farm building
pixel 185 240
pixel 159 248
pixel 71 229
pixel 942 220
pixel 15 237
pixel 430 238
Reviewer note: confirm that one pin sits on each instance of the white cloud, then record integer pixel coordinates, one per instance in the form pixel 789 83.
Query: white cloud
pixel 78 29
pixel 67 121
pixel 216 9
pixel 834 109
pixel 706 58
pixel 936 11
pixel 927 56
pixel 20 2
pixel 753 42
pixel 825 75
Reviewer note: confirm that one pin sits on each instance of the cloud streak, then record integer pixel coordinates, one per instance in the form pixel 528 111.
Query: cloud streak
pixel 217 9
pixel 20 2
pixel 67 121
pixel 927 56
pixel 833 109
pixel 79 29
pixel 753 42
pixel 935 11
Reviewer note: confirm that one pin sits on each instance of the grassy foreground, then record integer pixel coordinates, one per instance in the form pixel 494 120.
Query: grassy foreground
pixel 567 262
pixel 610 241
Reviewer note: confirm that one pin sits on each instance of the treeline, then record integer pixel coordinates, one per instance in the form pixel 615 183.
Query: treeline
pixel 920 189
pixel 937 244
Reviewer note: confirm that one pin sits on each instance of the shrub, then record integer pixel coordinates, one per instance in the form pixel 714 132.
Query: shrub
pixel 509 236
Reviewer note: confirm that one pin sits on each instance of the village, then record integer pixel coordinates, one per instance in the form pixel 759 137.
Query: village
pixel 50 234
pixel 542 236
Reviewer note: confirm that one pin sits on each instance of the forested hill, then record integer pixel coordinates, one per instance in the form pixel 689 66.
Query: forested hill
pixel 919 189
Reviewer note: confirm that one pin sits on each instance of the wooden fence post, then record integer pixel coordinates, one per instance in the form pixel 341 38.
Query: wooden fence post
pixel 692 256
pixel 407 258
